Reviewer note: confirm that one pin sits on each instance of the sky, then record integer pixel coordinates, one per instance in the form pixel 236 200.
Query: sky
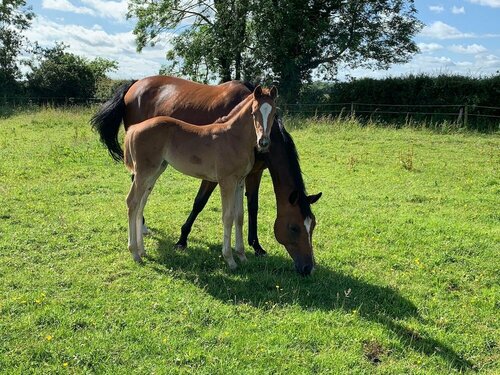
pixel 459 37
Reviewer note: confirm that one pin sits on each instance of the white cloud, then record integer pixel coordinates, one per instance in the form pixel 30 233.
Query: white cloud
pixel 115 10
pixel 436 8
pixel 66 6
pixel 472 49
pixel 95 42
pixel 429 47
pixel 441 30
pixel 457 10
pixel 488 3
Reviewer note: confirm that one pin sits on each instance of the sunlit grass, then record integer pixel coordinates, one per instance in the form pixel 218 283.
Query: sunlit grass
pixel 406 242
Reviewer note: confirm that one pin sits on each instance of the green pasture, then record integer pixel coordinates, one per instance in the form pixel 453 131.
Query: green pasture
pixel 407 246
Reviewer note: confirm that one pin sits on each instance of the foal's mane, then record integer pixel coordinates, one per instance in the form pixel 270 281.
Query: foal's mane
pixel 294 168
pixel 235 110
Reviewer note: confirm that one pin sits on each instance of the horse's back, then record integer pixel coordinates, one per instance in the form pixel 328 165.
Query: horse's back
pixel 189 101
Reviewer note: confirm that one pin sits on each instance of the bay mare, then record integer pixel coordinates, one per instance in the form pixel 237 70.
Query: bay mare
pixel 222 152
pixel 199 104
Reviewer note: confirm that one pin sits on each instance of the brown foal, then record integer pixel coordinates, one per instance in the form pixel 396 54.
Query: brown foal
pixel 221 152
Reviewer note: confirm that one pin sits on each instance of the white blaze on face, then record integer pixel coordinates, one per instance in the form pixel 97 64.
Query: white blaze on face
pixel 307 224
pixel 265 110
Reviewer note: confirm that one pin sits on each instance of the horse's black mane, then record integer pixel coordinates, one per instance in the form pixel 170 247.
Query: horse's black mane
pixel 294 167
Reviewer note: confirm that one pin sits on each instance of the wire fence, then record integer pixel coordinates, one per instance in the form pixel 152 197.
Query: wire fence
pixel 463 114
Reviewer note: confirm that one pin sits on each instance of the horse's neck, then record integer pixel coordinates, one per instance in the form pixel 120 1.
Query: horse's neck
pixel 242 123
pixel 279 166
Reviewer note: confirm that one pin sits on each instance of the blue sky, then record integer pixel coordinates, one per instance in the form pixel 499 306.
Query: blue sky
pixel 460 36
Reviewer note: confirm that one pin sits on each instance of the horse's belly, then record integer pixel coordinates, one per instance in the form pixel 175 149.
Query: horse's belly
pixel 194 167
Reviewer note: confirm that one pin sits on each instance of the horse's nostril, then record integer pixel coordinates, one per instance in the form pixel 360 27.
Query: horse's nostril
pixel 264 142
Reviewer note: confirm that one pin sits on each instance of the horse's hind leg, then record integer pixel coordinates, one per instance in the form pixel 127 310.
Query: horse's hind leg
pixel 227 191
pixel 136 200
pixel 145 229
pixel 133 202
pixel 238 222
pixel 148 185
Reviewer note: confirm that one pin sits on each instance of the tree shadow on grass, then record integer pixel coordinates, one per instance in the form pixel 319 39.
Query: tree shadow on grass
pixel 272 281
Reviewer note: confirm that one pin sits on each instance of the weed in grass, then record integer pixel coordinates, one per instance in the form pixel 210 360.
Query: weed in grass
pixel 406 160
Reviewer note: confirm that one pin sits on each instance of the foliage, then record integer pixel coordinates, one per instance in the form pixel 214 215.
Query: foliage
pixel 15 17
pixel 280 40
pixel 106 87
pixel 213 40
pixel 59 74
pixel 406 280
pixel 411 90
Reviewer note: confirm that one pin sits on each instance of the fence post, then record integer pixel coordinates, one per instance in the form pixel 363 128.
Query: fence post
pixel 352 109
pixel 466 115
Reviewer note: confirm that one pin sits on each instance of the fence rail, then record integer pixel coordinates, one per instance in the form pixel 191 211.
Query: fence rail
pixel 461 113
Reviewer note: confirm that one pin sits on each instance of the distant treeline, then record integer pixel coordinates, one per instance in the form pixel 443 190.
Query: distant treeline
pixel 475 101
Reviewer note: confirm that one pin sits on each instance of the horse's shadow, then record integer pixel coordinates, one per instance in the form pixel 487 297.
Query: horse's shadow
pixel 271 281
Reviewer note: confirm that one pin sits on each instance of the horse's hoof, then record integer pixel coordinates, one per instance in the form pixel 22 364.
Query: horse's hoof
pixel 232 264
pixel 242 257
pixel 180 246
pixel 260 252
pixel 137 258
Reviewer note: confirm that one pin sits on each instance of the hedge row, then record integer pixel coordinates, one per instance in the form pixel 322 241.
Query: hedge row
pixel 436 98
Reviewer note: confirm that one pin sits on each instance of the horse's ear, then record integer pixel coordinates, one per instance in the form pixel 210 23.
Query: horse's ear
pixel 314 198
pixel 257 93
pixel 273 92
pixel 294 197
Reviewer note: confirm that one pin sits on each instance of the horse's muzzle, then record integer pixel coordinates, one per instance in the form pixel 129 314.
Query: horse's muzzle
pixel 264 144
pixel 304 269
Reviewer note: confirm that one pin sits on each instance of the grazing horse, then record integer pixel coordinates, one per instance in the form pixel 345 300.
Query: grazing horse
pixel 227 147
pixel 200 104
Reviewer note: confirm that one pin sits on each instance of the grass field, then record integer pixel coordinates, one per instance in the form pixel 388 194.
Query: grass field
pixel 407 245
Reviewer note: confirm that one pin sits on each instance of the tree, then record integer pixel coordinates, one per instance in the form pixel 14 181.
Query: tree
pixel 15 17
pixel 280 40
pixel 60 74
pixel 213 37
pixel 299 38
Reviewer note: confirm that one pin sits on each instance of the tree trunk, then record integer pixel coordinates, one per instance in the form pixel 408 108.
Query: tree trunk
pixel 289 85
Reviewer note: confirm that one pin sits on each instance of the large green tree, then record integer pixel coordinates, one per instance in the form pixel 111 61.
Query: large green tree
pixel 57 73
pixel 15 17
pixel 209 37
pixel 279 40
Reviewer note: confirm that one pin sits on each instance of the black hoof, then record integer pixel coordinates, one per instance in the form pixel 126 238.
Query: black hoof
pixel 180 245
pixel 259 251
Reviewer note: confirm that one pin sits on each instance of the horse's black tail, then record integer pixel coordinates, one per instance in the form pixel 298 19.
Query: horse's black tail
pixel 108 119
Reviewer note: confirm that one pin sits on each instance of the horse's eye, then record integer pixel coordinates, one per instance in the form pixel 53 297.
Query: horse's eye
pixel 294 229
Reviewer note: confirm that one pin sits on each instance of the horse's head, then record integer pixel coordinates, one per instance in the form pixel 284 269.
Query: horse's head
pixel 263 111
pixel 294 228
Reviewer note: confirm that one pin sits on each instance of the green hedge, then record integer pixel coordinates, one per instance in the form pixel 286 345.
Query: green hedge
pixel 419 97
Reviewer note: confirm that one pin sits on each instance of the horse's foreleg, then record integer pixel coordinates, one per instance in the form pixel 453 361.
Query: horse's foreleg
pixel 206 189
pixel 227 191
pixel 252 183
pixel 238 222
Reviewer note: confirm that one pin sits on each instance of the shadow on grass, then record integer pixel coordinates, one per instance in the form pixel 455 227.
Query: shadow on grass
pixel 271 282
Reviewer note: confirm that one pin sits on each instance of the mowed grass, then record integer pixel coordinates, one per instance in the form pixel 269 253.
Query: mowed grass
pixel 407 246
